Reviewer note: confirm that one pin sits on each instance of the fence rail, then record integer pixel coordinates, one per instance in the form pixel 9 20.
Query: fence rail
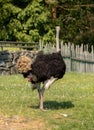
pixel 20 45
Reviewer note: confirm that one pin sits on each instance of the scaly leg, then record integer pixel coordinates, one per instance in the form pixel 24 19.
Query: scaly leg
pixel 41 92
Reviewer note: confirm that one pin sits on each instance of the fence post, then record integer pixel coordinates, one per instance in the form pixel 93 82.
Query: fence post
pixel 70 57
pixel 57 38
pixel 2 47
pixel 40 45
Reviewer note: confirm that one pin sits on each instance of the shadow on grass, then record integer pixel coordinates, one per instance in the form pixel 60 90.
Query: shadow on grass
pixel 58 105
pixel 54 105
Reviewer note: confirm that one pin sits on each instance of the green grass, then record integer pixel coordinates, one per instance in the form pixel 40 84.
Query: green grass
pixel 73 96
pixel 11 49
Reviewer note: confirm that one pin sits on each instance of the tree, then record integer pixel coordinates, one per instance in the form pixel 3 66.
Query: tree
pixel 76 21
pixel 31 20
pixel 35 20
pixel 8 20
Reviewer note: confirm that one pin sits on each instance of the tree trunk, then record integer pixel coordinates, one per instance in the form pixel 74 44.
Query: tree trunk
pixel 54 12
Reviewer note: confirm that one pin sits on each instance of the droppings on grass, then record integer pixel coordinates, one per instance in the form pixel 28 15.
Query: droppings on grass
pixel 65 115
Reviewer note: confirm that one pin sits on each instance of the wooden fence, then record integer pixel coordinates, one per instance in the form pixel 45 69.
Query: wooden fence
pixel 77 58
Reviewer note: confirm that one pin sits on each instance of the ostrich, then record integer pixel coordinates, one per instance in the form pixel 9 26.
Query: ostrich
pixel 45 68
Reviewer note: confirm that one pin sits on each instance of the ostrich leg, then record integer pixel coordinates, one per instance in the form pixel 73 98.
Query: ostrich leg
pixel 46 85
pixel 41 93
pixel 49 82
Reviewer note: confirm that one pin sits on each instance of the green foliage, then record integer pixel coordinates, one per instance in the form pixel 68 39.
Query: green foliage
pixel 8 21
pixel 32 20
pixel 78 23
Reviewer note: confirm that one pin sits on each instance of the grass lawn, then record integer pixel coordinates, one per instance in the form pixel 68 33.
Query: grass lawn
pixel 69 103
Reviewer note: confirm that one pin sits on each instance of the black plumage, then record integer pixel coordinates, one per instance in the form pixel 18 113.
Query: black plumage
pixel 48 65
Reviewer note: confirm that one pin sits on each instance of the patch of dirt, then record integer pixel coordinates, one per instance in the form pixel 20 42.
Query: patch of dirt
pixel 21 123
